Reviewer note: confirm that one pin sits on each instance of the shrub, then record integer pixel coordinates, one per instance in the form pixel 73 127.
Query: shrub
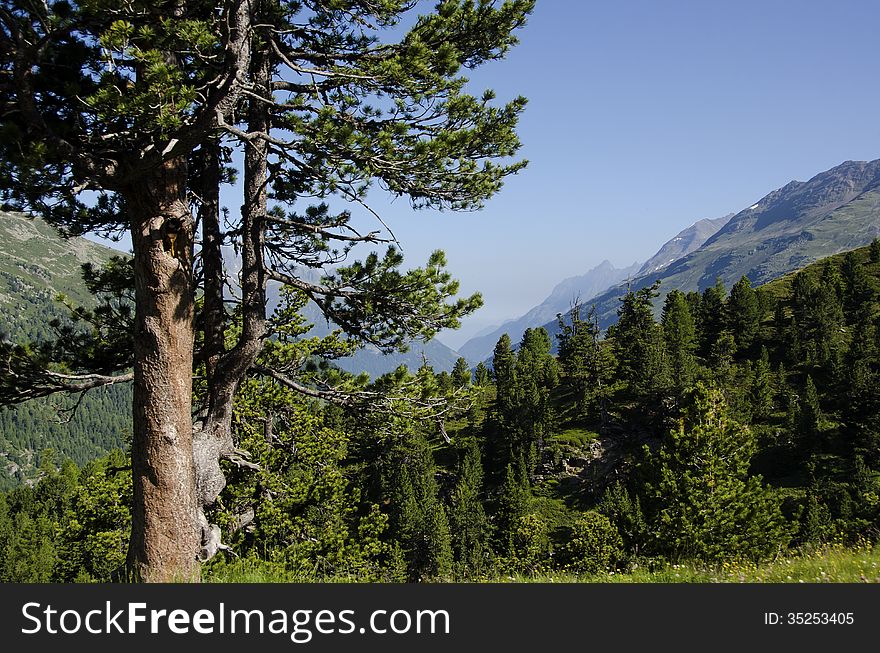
pixel 595 544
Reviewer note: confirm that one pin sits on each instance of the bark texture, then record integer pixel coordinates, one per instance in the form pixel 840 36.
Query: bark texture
pixel 165 522
pixel 212 437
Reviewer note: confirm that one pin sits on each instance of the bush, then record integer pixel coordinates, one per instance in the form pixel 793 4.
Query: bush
pixel 595 544
pixel 531 547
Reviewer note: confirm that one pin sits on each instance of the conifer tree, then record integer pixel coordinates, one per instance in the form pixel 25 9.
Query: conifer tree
pixel 574 347
pixel 638 344
pixel 680 337
pixel 761 394
pixel 743 314
pixel 502 432
pixel 874 251
pixel 699 499
pixel 809 417
pixel 858 293
pixel 504 373
pixel 481 375
pixel 461 374
pixel 467 518
pixel 420 520
pixel 712 317
pixel 585 361
pixel 817 316
pixel 537 374
pixel 512 504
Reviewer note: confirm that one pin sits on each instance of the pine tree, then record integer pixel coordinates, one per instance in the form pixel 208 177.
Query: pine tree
pixel 638 344
pixel 587 362
pixel 625 512
pixel 461 374
pixel 512 504
pixel 817 312
pixel 481 375
pixel 699 499
pixel 874 251
pixel 809 418
pixel 504 373
pixel 467 518
pixel 761 394
pixel 712 317
pixel 537 374
pixel 743 314
pixel 575 345
pixel 858 294
pixel 420 521
pixel 680 336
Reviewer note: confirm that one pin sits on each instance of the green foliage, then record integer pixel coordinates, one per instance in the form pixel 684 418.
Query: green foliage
pixel 743 314
pixel 624 511
pixel 419 517
pixel 376 493
pixel 594 544
pixel 512 505
pixel 711 317
pixel 639 346
pixel 467 517
pixel 71 526
pixel 481 375
pixel 587 364
pixel 93 543
pixel 530 544
pixel 461 373
pixel 679 332
pixel 699 498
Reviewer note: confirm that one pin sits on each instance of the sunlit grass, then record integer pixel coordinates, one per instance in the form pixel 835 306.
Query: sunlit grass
pixel 830 564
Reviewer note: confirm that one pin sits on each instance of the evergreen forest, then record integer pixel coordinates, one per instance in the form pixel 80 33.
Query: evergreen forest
pixel 731 426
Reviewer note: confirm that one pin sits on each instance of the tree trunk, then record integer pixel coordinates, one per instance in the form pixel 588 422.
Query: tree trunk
pixel 214 314
pixel 165 533
pixel 212 439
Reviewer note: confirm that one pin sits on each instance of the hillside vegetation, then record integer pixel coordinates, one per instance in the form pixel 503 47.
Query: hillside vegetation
pixel 37 268
pixel 736 439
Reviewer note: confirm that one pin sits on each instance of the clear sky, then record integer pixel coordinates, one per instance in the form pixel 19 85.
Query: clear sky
pixel 645 116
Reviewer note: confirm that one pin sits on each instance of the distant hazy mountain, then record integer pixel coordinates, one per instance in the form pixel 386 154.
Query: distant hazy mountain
pixel 374 362
pixel 563 296
pixel 795 225
pixel 684 243
pixel 371 360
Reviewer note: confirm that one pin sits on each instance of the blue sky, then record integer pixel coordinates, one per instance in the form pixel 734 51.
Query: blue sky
pixel 644 117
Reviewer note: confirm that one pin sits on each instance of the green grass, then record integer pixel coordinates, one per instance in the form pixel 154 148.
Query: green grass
pixel 832 564
pixel 573 437
pixel 827 565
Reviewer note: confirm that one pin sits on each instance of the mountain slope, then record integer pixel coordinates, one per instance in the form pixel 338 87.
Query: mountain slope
pixel 560 300
pixel 795 225
pixel 36 264
pixel 683 243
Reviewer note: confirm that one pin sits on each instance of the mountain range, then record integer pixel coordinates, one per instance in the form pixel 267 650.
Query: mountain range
pixel 787 229
pixel 683 243
pixel 561 299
